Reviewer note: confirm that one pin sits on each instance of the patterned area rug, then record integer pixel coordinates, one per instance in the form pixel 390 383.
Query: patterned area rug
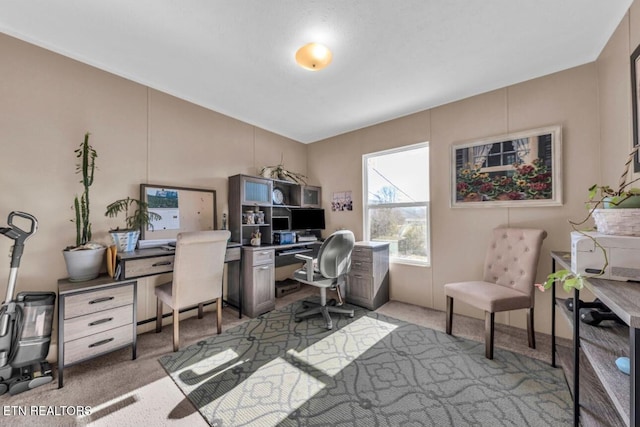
pixel 370 370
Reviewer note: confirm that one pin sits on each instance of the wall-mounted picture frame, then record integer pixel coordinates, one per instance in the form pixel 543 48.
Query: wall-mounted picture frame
pixel 635 101
pixel 521 169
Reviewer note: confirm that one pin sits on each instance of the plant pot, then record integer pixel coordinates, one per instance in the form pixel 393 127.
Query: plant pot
pixel 619 222
pixel 632 202
pixel 84 264
pixel 125 240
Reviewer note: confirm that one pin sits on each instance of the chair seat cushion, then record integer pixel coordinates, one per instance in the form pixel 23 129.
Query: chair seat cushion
pixel 163 292
pixel 318 279
pixel 487 296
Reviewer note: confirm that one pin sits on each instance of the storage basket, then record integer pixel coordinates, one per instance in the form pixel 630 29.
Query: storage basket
pixel 619 222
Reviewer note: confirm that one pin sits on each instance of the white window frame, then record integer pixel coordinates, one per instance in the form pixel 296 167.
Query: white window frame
pixel 366 207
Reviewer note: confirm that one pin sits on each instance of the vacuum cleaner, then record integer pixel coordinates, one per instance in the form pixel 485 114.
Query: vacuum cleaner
pixel 25 322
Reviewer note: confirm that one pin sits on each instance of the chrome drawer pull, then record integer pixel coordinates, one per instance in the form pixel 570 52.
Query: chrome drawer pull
pixel 266 267
pixel 265 253
pixel 98 322
pixel 99 343
pixel 158 264
pixel 99 300
pixel 357 276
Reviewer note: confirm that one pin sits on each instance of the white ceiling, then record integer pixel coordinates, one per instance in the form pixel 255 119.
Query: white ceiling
pixel 390 57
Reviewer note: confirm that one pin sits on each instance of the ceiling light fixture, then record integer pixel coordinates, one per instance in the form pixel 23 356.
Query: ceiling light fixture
pixel 313 56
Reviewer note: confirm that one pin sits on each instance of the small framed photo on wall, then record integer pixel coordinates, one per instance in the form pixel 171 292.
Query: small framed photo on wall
pixel 341 201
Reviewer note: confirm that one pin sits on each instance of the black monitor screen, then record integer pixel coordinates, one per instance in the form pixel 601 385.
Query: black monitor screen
pixel 307 219
pixel 280 223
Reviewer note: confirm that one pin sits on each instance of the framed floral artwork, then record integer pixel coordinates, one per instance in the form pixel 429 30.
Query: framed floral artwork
pixel 515 170
pixel 635 96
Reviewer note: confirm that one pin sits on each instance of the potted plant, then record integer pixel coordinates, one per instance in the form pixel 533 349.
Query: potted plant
pixel 615 212
pixel 84 259
pixel 137 216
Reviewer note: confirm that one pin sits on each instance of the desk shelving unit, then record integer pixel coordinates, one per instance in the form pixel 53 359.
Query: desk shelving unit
pixel 252 193
pixel 602 345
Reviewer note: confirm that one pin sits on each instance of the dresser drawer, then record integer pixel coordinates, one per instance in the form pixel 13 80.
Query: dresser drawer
pixel 82 326
pixel 362 254
pixel 94 301
pixel 261 257
pixel 85 348
pixel 360 288
pixel 361 267
pixel 148 266
pixel 232 254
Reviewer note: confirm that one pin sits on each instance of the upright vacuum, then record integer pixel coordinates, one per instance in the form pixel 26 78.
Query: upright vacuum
pixel 25 322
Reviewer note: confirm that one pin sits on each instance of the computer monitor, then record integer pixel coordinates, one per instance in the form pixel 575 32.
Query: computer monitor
pixel 307 219
pixel 280 223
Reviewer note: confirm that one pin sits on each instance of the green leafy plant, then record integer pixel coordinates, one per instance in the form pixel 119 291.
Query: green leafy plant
pixel 136 213
pixel 598 196
pixel 86 167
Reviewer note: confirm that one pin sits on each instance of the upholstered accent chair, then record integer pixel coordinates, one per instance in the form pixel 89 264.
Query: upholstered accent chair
pixel 508 282
pixel 197 277
pixel 328 271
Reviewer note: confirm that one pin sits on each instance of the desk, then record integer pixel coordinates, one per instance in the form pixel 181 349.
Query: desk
pixel 602 345
pixel 153 261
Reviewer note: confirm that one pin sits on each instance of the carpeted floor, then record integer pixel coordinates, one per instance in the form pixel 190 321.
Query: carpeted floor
pixel 370 370
pixel 124 392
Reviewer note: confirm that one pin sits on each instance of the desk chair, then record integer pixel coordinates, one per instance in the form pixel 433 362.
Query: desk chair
pixel 333 264
pixel 508 283
pixel 197 277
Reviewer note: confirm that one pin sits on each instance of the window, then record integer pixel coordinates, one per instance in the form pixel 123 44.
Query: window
pixel 396 201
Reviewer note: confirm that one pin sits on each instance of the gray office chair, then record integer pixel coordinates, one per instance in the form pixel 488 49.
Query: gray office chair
pixel 333 264
pixel 508 281
pixel 197 277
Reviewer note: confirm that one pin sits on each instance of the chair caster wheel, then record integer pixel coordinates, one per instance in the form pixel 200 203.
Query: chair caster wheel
pixel 332 302
pixel 351 316
pixel 305 306
pixel 297 320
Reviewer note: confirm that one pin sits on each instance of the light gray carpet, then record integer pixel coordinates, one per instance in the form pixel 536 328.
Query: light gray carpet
pixel 370 370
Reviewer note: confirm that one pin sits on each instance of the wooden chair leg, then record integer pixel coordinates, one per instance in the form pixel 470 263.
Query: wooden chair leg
pixel 158 315
pixel 489 319
pixel 176 329
pixel 530 329
pixel 219 315
pixel 449 315
pixel 200 310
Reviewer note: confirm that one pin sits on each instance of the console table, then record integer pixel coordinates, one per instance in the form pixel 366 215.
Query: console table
pixel 603 345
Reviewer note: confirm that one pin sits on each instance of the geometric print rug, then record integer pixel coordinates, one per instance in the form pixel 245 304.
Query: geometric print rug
pixel 370 370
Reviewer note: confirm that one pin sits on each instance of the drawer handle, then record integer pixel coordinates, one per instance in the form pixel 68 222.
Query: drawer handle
pixel 357 263
pixel 158 264
pixel 265 253
pixel 99 343
pixel 357 276
pixel 99 300
pixel 101 321
pixel 266 267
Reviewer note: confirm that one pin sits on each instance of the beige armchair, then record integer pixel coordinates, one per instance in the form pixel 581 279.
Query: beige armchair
pixel 197 277
pixel 508 283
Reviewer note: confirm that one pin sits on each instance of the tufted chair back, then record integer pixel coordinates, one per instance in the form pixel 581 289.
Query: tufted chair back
pixel 512 258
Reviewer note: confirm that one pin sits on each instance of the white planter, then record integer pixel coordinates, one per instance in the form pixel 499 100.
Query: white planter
pixel 125 240
pixel 84 264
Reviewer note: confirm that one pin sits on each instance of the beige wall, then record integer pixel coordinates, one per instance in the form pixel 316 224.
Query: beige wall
pixel 49 101
pixel 47 104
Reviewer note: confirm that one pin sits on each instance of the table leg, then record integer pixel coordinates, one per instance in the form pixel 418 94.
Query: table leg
pixel 576 358
pixel 634 346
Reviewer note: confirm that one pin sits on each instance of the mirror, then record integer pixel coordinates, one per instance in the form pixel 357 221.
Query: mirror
pixel 181 209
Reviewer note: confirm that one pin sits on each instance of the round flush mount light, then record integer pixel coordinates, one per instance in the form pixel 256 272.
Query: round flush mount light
pixel 313 56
